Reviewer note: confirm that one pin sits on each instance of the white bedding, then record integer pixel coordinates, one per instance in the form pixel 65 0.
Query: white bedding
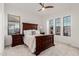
pixel 30 41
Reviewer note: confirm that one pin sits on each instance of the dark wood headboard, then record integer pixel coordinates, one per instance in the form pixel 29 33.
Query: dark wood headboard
pixel 29 26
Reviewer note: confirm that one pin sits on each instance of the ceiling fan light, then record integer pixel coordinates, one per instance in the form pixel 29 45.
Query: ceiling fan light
pixel 43 9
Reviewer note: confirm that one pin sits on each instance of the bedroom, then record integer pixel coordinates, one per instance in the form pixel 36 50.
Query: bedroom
pixel 28 13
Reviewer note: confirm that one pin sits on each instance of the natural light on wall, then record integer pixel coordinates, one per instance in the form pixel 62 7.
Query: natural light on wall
pixel 47 26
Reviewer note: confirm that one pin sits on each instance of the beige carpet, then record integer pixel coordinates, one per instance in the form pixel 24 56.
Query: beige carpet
pixel 59 49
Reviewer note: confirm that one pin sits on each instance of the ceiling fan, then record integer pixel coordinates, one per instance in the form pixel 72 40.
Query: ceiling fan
pixel 44 7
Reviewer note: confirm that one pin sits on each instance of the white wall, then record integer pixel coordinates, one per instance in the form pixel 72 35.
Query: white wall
pixel 1 28
pixel 74 12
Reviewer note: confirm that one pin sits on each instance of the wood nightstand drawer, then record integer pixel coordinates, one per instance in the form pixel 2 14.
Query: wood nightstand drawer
pixel 17 40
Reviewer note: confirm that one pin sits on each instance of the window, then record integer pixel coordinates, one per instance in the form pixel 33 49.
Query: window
pixel 51 26
pixel 57 26
pixel 67 26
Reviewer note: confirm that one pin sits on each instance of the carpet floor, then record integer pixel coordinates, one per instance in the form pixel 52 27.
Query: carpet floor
pixel 59 49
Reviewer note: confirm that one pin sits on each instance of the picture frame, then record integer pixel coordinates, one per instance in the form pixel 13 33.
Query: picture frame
pixel 13 24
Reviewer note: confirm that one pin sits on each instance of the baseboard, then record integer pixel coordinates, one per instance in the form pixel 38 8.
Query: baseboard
pixel 7 46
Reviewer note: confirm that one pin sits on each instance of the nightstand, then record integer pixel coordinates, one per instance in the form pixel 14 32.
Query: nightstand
pixel 17 40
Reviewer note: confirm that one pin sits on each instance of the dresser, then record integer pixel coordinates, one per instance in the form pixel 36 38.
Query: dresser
pixel 17 40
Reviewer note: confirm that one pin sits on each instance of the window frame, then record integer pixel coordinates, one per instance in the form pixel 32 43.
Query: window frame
pixel 69 26
pixel 59 26
pixel 51 31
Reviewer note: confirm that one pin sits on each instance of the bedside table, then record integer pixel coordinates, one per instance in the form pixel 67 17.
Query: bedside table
pixel 17 40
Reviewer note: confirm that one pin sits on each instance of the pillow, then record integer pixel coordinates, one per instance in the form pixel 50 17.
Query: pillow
pixel 37 32
pixel 28 32
pixel 33 32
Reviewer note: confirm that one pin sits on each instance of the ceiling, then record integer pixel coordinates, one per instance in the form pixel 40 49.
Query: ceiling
pixel 32 8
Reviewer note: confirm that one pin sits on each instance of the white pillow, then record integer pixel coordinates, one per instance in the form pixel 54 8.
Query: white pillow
pixel 31 32
pixel 28 32
pixel 36 32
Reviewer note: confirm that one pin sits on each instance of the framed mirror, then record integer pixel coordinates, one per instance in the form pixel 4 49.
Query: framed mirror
pixel 13 24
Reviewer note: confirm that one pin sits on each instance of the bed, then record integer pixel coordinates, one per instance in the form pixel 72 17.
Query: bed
pixel 37 43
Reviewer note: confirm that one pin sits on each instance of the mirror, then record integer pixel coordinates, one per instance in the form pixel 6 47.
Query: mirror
pixel 13 24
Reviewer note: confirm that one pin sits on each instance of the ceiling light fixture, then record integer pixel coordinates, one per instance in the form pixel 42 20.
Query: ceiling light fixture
pixel 43 9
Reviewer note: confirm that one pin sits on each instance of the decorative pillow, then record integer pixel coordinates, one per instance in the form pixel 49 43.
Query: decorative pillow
pixel 28 32
pixel 37 32
pixel 33 32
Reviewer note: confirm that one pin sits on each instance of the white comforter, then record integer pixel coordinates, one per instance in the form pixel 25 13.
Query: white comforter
pixel 30 41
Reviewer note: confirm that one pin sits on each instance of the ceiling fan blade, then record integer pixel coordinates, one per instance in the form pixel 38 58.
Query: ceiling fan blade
pixel 42 4
pixel 49 7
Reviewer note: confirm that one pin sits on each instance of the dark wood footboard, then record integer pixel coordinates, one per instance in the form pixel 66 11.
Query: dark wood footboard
pixel 43 42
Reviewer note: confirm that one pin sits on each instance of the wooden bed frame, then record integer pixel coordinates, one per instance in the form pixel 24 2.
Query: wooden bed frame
pixel 42 42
